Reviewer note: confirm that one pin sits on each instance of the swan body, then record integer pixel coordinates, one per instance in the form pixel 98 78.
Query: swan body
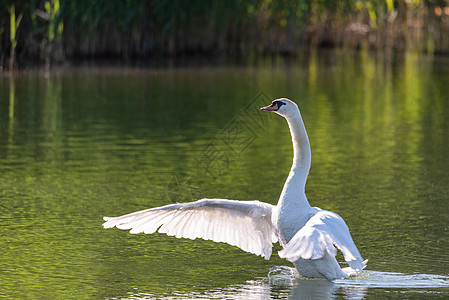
pixel 309 236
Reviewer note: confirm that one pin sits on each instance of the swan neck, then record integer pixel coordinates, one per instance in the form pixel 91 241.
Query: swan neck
pixel 293 207
pixel 293 192
pixel 301 146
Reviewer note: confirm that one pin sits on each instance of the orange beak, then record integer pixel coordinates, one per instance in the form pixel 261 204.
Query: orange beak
pixel 272 107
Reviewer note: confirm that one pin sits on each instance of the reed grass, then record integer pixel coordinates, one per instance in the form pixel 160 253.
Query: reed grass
pixel 53 31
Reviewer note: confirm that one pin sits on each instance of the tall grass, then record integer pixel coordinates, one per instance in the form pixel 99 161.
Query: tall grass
pixel 54 31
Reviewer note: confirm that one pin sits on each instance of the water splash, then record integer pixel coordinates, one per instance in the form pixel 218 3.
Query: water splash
pixel 283 276
pixel 376 279
pixel 356 286
pixel 288 276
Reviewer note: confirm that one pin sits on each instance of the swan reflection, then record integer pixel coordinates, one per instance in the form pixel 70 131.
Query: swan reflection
pixel 272 287
pixel 284 283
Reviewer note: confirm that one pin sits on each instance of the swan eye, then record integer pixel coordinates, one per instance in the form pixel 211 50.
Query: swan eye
pixel 279 104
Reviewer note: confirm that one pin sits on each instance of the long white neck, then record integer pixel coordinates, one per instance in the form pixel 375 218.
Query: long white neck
pixel 294 188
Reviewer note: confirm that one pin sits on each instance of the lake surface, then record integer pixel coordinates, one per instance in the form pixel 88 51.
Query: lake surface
pixel 87 142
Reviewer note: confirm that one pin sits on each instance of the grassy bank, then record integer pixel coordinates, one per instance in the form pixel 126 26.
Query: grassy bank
pixel 54 31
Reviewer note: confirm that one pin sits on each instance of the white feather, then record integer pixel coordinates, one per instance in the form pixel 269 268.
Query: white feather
pixel 239 223
pixel 318 236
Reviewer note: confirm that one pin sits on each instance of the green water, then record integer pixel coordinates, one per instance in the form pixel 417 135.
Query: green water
pixel 86 142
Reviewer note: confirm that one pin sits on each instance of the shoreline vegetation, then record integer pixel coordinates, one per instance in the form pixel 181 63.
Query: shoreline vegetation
pixel 52 32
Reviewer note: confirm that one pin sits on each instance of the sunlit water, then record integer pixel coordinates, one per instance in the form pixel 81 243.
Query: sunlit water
pixel 284 282
pixel 83 143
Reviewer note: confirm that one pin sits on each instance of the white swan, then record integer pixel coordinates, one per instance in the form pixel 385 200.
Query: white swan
pixel 307 234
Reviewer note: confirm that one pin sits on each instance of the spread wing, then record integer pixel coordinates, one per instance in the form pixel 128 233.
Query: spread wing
pixel 245 224
pixel 324 230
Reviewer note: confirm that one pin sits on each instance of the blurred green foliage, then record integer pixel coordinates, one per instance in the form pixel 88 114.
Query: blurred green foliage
pixel 56 30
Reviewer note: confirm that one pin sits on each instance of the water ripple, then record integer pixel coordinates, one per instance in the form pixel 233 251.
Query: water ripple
pixel 286 283
pixel 376 279
pixel 288 276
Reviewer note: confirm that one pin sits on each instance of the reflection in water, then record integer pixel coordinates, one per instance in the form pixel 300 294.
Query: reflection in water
pixel 323 289
pixel 284 282
pixel 12 100
pixel 263 289
pixel 304 288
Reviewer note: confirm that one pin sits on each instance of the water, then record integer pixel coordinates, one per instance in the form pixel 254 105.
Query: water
pixel 83 143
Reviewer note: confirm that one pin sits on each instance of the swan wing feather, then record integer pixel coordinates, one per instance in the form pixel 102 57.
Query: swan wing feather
pixel 245 224
pixel 321 234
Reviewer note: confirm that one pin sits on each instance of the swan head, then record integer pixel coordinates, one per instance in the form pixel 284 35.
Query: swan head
pixel 282 106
